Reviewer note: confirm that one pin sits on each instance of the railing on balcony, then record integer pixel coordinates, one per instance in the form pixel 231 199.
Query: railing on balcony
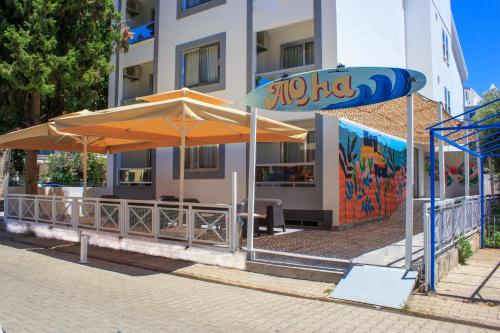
pixel 194 223
pixel 265 77
pixel 141 33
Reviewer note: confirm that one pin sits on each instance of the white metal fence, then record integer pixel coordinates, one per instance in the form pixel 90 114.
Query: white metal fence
pixel 193 223
pixel 454 218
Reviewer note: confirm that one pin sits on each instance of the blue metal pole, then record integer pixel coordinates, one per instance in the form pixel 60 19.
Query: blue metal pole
pixel 432 248
pixel 482 200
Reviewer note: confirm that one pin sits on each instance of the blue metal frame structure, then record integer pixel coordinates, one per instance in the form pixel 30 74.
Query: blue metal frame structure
pixel 442 131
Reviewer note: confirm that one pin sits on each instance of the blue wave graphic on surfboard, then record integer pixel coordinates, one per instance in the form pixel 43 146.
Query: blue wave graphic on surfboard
pixel 384 90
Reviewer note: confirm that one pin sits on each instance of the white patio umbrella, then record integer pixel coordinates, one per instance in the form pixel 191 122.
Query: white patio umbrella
pixel 47 137
pixel 180 118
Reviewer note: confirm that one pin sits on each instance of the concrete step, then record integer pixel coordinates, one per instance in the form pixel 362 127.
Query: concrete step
pixel 298 266
pixel 294 271
pixel 301 260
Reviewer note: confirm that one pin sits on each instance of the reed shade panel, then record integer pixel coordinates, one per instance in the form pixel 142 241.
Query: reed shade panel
pixel 390 117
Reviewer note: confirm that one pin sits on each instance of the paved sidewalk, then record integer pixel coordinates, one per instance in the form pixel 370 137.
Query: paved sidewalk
pixel 468 293
pixel 292 287
pixel 47 291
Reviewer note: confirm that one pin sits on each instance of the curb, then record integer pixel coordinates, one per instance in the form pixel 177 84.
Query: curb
pixel 261 289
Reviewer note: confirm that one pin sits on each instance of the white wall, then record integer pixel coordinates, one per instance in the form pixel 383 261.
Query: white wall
pixel 330 175
pixel 270 60
pixel 138 53
pixel 370 33
pixel 425 21
pixel 269 14
pixel 140 87
pixel 418 42
pixel 231 19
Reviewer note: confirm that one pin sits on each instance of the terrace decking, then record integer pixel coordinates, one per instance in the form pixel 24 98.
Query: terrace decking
pixel 346 244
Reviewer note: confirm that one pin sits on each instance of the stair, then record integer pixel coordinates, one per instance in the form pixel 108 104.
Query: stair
pixel 298 266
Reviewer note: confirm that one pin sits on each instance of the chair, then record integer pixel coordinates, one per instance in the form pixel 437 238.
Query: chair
pixel 268 212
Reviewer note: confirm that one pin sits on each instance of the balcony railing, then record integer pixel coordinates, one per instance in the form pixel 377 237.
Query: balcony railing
pixel 263 78
pixel 198 223
pixel 141 33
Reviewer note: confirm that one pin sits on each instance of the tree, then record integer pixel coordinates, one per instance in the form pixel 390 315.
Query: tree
pixel 27 36
pixel 55 58
pixel 67 169
pixel 490 111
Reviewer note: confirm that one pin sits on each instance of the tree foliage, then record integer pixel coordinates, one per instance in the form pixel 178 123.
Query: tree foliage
pixel 54 58
pixel 67 169
pixel 490 111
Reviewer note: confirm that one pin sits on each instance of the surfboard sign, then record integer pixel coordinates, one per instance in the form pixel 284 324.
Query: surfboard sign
pixel 339 88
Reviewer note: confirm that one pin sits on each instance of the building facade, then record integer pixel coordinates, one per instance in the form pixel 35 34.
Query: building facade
pixel 227 47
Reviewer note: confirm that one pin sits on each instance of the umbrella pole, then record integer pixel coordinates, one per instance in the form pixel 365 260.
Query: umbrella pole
pixel 181 170
pixel 84 158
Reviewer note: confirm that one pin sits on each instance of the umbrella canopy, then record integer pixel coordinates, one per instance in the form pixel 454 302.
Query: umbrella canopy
pixel 48 137
pixel 163 121
pixel 180 118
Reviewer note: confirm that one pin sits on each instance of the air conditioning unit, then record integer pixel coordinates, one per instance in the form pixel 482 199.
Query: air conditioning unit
pixel 262 41
pixel 133 72
pixel 133 7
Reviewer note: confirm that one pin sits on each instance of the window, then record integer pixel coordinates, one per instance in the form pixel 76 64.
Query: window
pixel 201 66
pixel 135 168
pixel 187 4
pixel 202 157
pixel 445 48
pixel 190 7
pixel 297 54
pixel 286 164
pixel 447 100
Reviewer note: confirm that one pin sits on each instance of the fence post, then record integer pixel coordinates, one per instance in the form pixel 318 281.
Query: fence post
pixel 122 217
pixel 35 210
pixel 75 216
pixel 464 216
pixel 54 211
pixel 20 208
pixel 97 215
pixel 427 258
pixel 156 220
pixel 189 223
pixel 234 206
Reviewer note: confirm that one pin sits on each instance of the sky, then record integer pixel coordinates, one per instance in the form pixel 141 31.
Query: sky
pixel 478 26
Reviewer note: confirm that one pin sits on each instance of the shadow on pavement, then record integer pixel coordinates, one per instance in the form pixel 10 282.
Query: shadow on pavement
pixel 129 263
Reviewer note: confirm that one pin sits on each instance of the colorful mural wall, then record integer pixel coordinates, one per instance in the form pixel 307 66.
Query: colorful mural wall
pixel 372 174
pixel 454 174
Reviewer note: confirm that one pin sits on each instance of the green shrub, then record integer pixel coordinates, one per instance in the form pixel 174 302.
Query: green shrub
pixel 464 250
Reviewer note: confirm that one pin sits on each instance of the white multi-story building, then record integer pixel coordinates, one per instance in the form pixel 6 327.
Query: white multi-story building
pixel 226 47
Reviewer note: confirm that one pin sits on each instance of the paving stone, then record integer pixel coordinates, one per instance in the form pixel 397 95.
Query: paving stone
pixel 48 291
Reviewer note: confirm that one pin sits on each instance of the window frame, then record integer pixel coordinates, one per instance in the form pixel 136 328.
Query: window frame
pixel 445 46
pixel 141 183
pixel 198 169
pixel 219 173
pixel 198 49
pixel 184 12
pixel 302 42
pixel 304 163
pixel 181 49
